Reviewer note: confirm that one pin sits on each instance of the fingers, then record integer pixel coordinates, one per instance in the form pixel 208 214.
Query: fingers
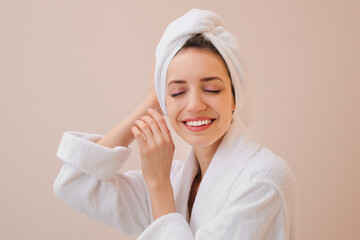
pixel 145 130
pixel 152 124
pixel 153 127
pixel 160 121
pixel 138 135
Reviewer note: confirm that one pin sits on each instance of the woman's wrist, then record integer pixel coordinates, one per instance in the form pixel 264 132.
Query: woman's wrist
pixel 162 198
pixel 121 135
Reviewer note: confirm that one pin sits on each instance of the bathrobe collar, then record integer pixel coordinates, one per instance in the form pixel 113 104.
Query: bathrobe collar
pixel 231 156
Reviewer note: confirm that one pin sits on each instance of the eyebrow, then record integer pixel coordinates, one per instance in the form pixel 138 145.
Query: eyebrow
pixel 206 79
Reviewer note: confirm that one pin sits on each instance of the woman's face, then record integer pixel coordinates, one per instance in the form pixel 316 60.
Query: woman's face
pixel 199 99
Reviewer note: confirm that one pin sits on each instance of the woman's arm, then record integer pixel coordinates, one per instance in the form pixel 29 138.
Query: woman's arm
pixel 121 135
pixel 89 180
pixel 121 202
pixel 161 192
pixel 156 150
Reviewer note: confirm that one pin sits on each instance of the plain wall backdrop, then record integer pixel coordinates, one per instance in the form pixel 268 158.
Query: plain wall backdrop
pixel 85 65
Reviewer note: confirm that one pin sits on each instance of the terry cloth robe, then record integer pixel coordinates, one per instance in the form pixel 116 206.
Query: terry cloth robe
pixel 247 192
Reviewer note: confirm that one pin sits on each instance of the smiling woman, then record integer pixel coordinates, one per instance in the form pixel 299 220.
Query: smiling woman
pixel 199 106
pixel 227 188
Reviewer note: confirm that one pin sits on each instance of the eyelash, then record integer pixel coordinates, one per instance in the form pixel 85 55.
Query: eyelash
pixel 209 91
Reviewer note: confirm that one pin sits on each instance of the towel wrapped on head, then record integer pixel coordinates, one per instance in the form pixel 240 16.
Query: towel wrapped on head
pixel 212 28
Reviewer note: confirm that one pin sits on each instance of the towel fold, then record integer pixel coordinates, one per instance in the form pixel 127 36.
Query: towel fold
pixel 212 28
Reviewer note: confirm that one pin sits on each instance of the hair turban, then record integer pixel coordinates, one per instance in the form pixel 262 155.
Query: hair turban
pixel 212 28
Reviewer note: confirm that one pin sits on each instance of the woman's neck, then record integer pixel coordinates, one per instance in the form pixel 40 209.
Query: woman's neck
pixel 204 155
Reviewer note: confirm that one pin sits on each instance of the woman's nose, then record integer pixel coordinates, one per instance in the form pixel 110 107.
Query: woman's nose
pixel 195 103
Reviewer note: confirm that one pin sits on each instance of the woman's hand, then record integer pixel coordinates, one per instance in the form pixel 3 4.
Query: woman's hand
pixel 156 147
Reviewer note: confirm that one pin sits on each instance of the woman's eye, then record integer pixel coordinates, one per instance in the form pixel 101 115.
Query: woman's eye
pixel 209 91
pixel 176 94
pixel 212 91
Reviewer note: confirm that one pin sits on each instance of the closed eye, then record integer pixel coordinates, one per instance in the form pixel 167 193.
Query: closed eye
pixel 209 91
pixel 176 94
pixel 212 91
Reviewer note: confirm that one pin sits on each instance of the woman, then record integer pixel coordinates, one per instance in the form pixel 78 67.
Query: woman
pixel 228 187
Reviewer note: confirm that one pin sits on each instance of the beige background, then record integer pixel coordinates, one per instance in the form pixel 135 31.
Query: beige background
pixel 84 65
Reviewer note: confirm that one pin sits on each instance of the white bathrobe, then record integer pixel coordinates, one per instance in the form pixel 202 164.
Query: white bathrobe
pixel 247 192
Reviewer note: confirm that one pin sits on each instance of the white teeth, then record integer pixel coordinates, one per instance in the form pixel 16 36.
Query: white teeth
pixel 198 123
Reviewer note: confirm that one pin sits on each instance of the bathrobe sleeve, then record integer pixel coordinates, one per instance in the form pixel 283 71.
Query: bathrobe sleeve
pixel 253 211
pixel 89 182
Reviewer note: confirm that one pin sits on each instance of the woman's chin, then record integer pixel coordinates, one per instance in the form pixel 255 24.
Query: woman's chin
pixel 200 141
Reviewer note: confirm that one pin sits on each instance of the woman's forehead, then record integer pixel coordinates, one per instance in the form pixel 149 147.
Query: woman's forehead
pixel 196 64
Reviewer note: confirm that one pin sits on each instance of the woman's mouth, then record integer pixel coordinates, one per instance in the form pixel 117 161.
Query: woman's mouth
pixel 198 125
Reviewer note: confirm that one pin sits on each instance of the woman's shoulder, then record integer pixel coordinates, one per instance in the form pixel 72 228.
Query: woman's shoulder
pixel 269 168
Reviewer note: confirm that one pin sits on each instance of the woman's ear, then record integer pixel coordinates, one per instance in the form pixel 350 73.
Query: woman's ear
pixel 234 107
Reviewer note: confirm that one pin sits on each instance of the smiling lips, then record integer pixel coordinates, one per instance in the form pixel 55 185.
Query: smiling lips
pixel 198 123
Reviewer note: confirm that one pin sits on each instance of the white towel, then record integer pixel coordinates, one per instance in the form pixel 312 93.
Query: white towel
pixel 212 27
